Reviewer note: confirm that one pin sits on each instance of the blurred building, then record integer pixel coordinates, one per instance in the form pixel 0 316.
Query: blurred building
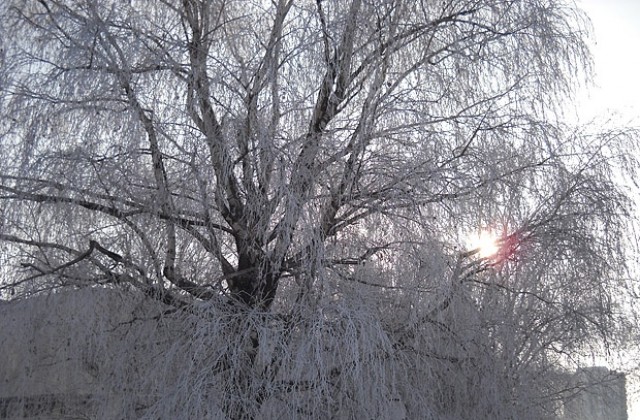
pixel 66 355
pixel 599 394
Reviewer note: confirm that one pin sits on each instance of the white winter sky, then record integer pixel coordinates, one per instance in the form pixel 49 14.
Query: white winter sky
pixel 616 53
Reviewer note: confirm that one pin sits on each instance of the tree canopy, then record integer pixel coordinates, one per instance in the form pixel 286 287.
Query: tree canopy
pixel 301 179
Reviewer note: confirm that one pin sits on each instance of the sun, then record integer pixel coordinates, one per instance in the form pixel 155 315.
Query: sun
pixel 485 243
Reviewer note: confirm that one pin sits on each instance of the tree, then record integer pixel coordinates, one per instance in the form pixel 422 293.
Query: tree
pixel 314 167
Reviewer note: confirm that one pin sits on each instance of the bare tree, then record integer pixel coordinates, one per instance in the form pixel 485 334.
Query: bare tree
pixel 313 168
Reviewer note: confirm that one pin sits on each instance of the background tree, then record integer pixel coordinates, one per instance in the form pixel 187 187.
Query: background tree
pixel 298 179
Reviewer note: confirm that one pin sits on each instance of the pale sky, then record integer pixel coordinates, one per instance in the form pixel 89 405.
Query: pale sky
pixel 616 53
pixel 616 25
